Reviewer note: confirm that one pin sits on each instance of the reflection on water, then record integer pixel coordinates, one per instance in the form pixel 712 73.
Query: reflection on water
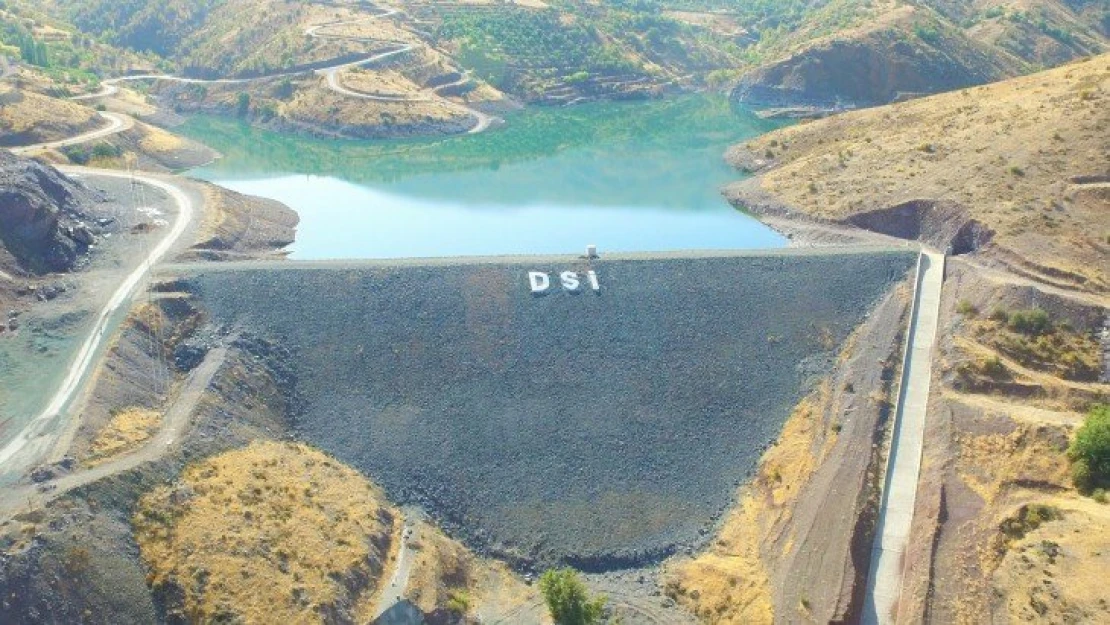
pixel 627 176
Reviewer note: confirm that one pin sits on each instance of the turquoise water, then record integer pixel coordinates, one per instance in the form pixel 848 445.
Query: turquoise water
pixel 643 176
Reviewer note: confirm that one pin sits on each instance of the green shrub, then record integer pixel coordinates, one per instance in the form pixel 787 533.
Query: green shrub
pixel 994 368
pixel 244 104
pixel 1027 519
pixel 284 90
pixel 1033 322
pixel 459 602
pixel 1090 451
pixel 106 150
pixel 966 308
pixel 567 598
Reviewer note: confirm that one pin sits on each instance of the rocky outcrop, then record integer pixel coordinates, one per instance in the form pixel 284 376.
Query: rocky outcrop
pixel 42 223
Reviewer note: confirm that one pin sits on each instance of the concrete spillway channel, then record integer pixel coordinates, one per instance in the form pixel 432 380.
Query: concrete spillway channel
pixel 605 420
pixel 904 462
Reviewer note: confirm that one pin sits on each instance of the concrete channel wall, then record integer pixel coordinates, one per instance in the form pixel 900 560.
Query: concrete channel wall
pixel 903 466
pixel 605 427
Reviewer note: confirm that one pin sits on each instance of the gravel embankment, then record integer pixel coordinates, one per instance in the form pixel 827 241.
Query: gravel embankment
pixel 602 429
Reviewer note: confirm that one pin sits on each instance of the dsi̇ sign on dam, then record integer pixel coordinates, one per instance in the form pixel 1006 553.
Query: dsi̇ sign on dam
pixel 571 281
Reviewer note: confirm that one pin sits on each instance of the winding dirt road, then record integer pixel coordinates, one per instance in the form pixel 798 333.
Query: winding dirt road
pixel 116 123
pixel 39 435
pixel 173 426
pixel 483 121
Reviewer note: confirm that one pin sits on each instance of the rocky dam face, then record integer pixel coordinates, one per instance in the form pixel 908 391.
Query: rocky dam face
pixel 596 412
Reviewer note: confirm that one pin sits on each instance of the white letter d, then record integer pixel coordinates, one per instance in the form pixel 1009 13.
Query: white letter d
pixel 539 281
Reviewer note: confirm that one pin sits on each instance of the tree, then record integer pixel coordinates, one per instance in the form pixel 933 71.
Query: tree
pixel 567 598
pixel 244 103
pixel 1090 451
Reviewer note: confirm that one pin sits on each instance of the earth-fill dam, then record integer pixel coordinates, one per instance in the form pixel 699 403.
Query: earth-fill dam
pixel 605 425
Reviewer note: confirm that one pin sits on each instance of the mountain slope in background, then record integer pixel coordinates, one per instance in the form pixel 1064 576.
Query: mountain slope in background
pixel 895 50
pixel 1015 171
pixel 828 53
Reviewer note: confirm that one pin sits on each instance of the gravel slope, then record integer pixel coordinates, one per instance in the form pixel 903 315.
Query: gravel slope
pixel 602 429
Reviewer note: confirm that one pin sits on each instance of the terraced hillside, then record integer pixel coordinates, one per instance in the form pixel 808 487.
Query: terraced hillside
pixel 538 427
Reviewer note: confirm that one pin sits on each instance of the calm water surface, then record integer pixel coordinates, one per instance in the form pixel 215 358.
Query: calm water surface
pixel 640 176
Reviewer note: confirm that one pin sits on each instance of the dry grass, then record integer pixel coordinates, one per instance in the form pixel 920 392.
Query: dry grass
pixel 273 533
pixel 319 105
pixel 720 23
pixel 36 118
pixel 1007 153
pixel 984 370
pixel 127 429
pixel 1058 572
pixel 158 141
pixel 730 582
pixel 380 82
pixel 1060 351
pixel 990 464
pixel 445 574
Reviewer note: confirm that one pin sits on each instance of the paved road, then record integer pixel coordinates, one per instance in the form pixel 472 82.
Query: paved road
pixel 116 123
pixel 884 584
pixel 37 438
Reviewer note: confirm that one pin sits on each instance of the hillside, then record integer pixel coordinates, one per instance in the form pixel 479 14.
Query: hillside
pixel 317 538
pixel 214 38
pixel 850 53
pixel 826 54
pixel 27 117
pixel 1014 171
pixel 52 56
pixel 1011 179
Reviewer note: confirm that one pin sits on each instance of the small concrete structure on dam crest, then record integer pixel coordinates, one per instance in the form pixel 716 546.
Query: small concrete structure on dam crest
pixel 605 420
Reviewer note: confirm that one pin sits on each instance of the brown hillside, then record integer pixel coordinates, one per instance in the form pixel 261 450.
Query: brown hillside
pixel 27 117
pixel 1017 171
pixel 855 53
pixel 277 532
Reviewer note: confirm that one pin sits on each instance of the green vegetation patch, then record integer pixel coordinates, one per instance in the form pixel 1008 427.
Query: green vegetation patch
pixel 1027 519
pixel 1034 340
pixel 1090 451
pixel 568 600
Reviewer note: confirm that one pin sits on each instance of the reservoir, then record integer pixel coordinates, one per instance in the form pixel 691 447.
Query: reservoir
pixel 632 176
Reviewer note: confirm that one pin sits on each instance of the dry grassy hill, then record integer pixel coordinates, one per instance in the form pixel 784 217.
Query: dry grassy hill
pixel 27 117
pixel 275 531
pixel 1017 171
